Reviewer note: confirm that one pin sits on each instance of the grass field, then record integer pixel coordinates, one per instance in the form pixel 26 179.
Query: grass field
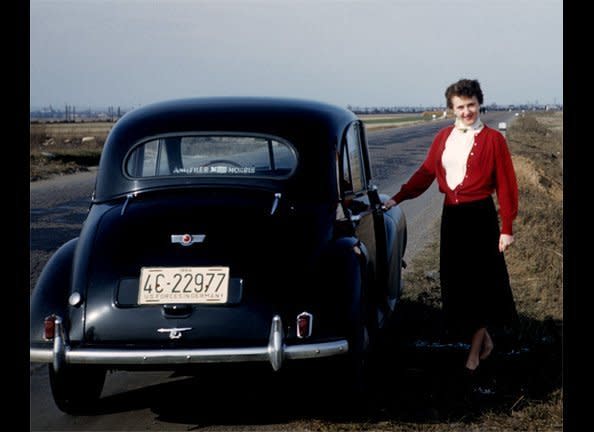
pixel 381 121
pixel 70 130
pixel 65 148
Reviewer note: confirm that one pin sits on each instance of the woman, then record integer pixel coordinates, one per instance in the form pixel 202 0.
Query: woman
pixel 471 161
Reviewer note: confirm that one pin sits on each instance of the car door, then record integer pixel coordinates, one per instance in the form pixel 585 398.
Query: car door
pixel 362 199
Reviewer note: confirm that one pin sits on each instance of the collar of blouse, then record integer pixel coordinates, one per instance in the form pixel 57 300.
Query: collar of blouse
pixel 475 127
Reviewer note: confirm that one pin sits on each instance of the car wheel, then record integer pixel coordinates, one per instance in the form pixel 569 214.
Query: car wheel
pixel 359 355
pixel 76 389
pixel 356 374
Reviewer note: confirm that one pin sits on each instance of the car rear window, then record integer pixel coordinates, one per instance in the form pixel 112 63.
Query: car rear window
pixel 212 155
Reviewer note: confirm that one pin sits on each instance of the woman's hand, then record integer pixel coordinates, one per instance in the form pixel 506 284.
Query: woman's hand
pixel 505 240
pixel 389 204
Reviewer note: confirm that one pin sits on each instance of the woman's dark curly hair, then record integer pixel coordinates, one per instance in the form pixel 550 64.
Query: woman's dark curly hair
pixel 466 88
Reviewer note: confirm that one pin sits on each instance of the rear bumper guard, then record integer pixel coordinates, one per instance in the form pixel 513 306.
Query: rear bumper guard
pixel 275 352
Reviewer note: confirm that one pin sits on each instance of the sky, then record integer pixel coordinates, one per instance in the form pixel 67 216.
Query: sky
pixel 362 53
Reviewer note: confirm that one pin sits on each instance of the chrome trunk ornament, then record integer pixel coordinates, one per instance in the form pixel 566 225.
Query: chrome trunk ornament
pixel 187 239
pixel 174 333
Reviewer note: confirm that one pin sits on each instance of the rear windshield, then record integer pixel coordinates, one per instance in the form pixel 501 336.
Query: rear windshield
pixel 212 155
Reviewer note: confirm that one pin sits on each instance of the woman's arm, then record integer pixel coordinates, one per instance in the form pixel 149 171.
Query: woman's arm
pixel 506 185
pixel 420 181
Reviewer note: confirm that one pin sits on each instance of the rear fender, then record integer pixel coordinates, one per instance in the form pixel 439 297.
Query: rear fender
pixel 396 232
pixel 51 292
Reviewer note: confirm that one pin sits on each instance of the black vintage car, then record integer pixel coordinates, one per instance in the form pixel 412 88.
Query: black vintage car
pixel 222 230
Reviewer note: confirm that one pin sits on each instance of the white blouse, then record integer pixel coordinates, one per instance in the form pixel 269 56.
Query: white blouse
pixel 457 148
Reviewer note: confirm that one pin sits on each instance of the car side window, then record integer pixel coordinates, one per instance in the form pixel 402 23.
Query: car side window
pixel 353 173
pixel 149 162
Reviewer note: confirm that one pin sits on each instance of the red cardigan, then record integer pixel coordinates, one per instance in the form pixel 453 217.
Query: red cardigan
pixel 489 168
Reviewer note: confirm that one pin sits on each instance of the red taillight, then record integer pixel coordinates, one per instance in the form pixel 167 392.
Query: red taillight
pixel 304 325
pixel 49 327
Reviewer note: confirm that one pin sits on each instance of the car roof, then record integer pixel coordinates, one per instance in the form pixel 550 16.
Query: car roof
pixel 313 128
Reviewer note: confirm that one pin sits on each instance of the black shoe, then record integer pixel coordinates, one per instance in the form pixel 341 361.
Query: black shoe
pixel 469 380
pixel 483 383
pixel 469 373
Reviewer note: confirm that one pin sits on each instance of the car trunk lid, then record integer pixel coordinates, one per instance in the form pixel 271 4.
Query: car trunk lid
pixel 255 234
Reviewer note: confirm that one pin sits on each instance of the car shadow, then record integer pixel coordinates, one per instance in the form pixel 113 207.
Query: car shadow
pixel 417 377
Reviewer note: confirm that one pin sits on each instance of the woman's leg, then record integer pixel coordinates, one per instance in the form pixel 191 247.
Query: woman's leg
pixel 480 348
pixel 487 346
pixel 472 361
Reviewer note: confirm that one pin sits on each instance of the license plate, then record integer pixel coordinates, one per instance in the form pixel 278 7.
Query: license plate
pixel 159 285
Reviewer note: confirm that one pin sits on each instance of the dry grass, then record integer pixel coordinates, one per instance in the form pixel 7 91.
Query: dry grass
pixel 388 121
pixel 65 148
pixel 536 260
pixel 65 133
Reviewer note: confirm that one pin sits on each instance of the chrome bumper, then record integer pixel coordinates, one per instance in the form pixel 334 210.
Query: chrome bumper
pixel 275 352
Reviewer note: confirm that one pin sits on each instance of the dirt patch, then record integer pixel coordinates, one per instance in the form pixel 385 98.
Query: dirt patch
pixel 528 173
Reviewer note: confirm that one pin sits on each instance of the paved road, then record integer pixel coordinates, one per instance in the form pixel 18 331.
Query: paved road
pixel 248 400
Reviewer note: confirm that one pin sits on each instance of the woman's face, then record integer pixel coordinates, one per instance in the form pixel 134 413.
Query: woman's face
pixel 466 109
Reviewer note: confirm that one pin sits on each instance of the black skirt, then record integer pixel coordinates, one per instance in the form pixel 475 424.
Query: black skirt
pixel 475 286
